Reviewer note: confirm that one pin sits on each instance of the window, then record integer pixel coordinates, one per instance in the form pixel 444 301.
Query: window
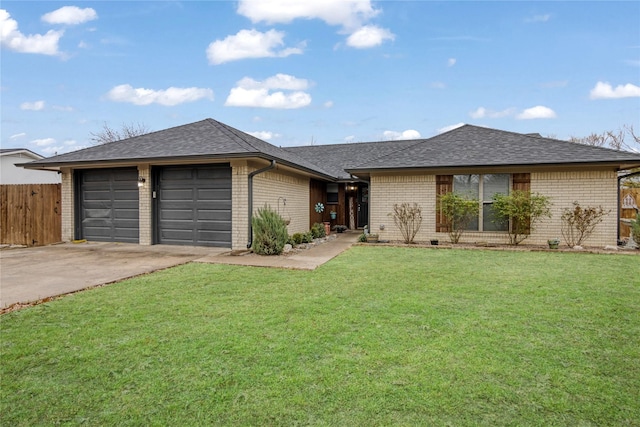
pixel 332 194
pixel 483 188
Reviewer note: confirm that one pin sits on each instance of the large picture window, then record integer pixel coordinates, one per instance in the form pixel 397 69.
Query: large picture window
pixel 483 188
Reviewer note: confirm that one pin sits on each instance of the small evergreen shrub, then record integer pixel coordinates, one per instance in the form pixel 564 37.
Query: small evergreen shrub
pixel 318 231
pixel 297 238
pixel 270 232
pixel 362 238
pixel 307 237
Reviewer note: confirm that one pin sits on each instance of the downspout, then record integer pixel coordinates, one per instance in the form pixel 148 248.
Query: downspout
pixel 251 175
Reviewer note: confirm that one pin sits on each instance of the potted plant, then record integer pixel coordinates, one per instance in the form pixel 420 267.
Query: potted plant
pixel 434 242
pixel 553 243
pixel 340 228
pixel 372 238
pixel 333 214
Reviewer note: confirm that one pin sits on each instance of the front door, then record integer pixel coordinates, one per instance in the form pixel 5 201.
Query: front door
pixel 363 205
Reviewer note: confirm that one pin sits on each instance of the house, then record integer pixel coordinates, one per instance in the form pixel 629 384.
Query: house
pixel 11 174
pixel 200 183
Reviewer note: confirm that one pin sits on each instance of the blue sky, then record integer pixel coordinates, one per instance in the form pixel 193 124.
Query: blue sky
pixel 300 72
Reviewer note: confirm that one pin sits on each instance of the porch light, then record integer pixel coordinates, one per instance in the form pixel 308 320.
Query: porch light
pixel 141 181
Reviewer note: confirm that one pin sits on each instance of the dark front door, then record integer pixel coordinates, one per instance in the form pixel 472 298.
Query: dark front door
pixel 193 205
pixel 107 209
pixel 363 205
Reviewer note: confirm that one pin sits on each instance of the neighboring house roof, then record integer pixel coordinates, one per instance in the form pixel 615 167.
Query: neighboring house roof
pixel 21 152
pixel 474 146
pixel 204 139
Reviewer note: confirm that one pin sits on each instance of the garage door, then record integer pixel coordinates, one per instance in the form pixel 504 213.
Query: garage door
pixel 194 205
pixel 108 205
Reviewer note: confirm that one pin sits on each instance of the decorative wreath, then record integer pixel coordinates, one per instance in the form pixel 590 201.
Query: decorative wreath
pixel 319 207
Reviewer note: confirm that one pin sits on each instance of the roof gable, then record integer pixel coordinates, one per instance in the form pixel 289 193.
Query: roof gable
pixel 475 146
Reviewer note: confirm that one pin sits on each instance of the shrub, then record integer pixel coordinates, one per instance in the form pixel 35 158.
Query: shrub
pixel 459 212
pixel 297 238
pixel 318 231
pixel 307 237
pixel 521 210
pixel 408 218
pixel 635 229
pixel 362 238
pixel 270 232
pixel 578 223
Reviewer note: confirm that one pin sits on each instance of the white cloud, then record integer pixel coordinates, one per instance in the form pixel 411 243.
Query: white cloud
pixel 450 127
pixel 604 90
pixel 70 15
pixel 265 135
pixel 252 93
pixel 328 104
pixel 349 139
pixel 18 135
pixel 481 113
pixel 369 36
pixel 43 142
pixel 397 136
pixel 168 97
pixel 451 62
pixel 538 18
pixel 350 14
pixel 438 85
pixel 32 106
pixel 249 44
pixel 537 112
pixel 13 39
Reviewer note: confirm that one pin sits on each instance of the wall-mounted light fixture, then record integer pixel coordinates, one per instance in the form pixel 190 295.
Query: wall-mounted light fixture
pixel 141 181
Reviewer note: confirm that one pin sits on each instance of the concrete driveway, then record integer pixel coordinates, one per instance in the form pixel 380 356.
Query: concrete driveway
pixel 30 274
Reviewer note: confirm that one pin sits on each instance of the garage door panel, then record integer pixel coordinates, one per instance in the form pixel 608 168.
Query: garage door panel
pixel 194 205
pixel 108 205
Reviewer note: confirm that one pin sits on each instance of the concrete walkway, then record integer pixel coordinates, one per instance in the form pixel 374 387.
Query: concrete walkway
pixel 308 259
pixel 32 274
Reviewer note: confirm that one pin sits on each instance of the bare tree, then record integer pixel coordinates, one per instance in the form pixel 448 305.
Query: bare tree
pixel 109 134
pixel 621 139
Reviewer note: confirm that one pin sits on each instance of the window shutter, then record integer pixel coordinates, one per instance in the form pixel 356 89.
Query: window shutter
pixel 522 182
pixel 444 185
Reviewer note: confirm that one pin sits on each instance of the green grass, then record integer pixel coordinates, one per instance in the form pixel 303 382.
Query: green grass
pixel 378 336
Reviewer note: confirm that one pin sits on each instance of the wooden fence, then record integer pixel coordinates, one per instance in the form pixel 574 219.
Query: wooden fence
pixel 628 212
pixel 30 214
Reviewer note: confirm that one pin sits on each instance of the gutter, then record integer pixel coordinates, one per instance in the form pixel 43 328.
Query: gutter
pixel 251 175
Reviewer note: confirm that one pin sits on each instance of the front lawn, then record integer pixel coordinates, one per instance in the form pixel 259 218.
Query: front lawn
pixel 378 336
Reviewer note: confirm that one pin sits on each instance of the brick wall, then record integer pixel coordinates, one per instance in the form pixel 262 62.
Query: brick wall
pixel 144 206
pixel 273 187
pixel 593 188
pixel 67 205
pixel 589 188
pixel 387 190
pixel 239 204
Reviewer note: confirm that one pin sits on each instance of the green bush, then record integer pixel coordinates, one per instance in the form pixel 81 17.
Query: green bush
pixel 307 237
pixel 459 212
pixel 297 238
pixel 635 229
pixel 318 231
pixel 362 238
pixel 521 211
pixel 270 232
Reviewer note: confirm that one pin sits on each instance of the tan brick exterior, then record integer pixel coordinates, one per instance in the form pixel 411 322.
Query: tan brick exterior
pixel 593 188
pixel 269 188
pixel 144 206
pixel 67 202
pixel 589 188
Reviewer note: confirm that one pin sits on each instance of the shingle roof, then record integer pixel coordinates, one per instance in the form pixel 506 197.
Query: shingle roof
pixel 337 158
pixel 207 138
pixel 474 146
pixel 466 146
